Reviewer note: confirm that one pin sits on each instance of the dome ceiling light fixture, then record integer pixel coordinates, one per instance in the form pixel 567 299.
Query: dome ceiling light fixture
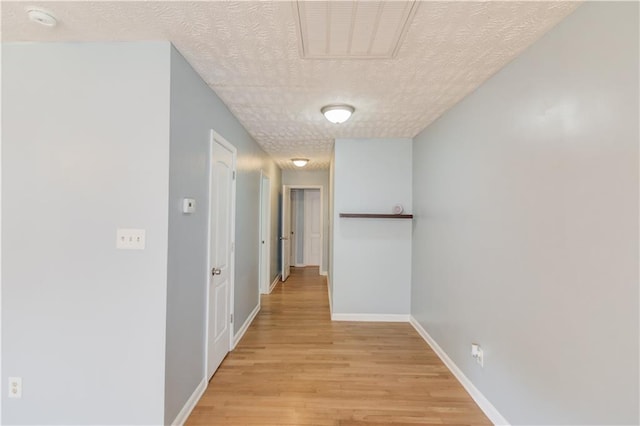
pixel 299 162
pixel 42 17
pixel 337 114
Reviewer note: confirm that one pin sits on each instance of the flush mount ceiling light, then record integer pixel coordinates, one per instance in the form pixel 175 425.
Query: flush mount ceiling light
pixel 42 17
pixel 337 114
pixel 300 162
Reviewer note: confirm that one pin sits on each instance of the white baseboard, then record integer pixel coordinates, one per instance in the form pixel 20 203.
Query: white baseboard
pixel 245 327
pixel 370 317
pixel 323 273
pixel 489 410
pixel 191 403
pixel 273 284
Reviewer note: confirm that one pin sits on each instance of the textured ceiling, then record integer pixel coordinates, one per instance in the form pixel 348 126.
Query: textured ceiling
pixel 249 53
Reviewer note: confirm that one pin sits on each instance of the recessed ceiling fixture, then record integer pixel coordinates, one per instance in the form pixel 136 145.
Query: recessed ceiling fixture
pixel 337 114
pixel 42 17
pixel 300 162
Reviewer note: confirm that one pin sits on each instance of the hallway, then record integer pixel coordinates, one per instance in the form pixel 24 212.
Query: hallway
pixel 295 366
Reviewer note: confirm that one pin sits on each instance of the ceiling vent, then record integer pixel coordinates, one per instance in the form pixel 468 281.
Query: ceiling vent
pixel 352 29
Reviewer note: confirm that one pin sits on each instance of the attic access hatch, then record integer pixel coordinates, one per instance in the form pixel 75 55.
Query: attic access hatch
pixel 352 29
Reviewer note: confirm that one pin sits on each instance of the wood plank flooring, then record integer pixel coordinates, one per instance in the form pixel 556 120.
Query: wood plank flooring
pixel 295 366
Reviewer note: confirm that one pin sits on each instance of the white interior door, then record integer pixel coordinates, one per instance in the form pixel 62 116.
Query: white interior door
pixel 312 227
pixel 293 235
pixel 221 224
pixel 265 233
pixel 285 238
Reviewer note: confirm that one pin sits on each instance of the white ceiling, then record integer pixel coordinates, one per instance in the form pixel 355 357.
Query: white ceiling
pixel 250 53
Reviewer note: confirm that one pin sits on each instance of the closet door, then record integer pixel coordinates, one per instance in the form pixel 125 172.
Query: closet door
pixel 312 227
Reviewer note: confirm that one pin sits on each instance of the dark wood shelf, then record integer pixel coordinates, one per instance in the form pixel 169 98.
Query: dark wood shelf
pixel 377 216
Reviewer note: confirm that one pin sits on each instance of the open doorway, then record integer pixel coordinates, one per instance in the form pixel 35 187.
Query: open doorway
pixel 302 227
pixel 306 227
pixel 264 254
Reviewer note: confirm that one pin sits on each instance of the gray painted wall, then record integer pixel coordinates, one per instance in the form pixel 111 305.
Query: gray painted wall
pixel 85 141
pixel 318 178
pixel 372 257
pixel 526 235
pixel 195 109
pixel 98 136
pixel 187 256
pixel 251 160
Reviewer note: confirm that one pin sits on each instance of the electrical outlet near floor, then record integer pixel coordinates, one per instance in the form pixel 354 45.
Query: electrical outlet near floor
pixel 15 387
pixel 477 353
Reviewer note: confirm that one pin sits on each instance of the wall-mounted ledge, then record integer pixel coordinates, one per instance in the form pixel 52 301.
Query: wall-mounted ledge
pixel 377 216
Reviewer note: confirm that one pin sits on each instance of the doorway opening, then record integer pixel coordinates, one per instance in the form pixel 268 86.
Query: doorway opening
pixel 302 227
pixel 265 234
pixel 306 227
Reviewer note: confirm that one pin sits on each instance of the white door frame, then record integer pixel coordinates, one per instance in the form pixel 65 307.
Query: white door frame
pixel 309 213
pixel 214 136
pixel 321 188
pixel 264 250
pixel 285 234
pixel 293 235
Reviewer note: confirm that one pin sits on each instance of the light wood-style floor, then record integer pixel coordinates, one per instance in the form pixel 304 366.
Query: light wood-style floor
pixel 295 366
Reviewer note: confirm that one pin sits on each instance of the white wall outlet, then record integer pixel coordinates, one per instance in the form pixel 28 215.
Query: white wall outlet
pixel 477 353
pixel 15 387
pixel 188 205
pixel 130 239
pixel 480 357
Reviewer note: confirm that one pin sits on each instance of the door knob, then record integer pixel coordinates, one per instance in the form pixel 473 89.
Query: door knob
pixel 284 238
pixel 216 271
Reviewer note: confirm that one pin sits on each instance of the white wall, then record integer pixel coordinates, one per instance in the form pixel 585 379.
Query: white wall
pixel 314 178
pixel 85 141
pixel 98 136
pixel 371 257
pixel 526 229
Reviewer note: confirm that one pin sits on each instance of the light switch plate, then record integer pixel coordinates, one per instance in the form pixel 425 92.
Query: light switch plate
pixel 130 239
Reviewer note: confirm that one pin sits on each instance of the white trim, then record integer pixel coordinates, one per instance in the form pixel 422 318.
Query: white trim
pixel 245 327
pixel 264 250
pixel 370 317
pixel 285 234
pixel 322 218
pixel 308 214
pixel 324 273
pixel 232 265
pixel 191 403
pixel 276 281
pixel 489 410
pixel 295 200
pixel 213 138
